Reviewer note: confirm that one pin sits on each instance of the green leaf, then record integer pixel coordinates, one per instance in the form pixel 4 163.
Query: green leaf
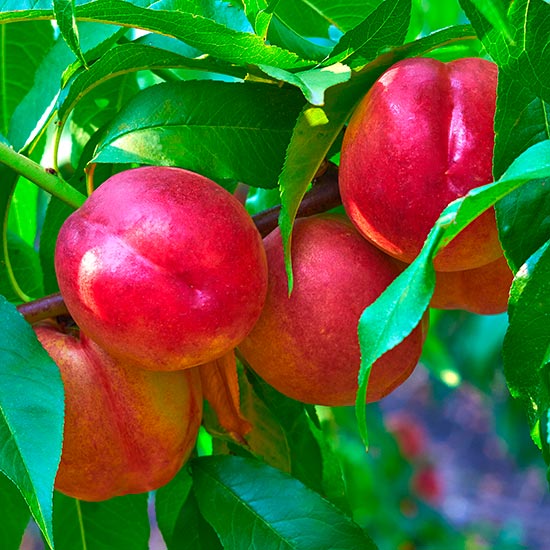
pixel 22 48
pixel 527 342
pixel 521 120
pixel 226 131
pixel 31 419
pixel 526 57
pixel 121 522
pixel 281 432
pixel 33 112
pixel 211 38
pixel 252 505
pixel 15 515
pixel 313 82
pixel 386 26
pixel 123 59
pixel 64 12
pixel 495 13
pixel 180 521
pixel 392 317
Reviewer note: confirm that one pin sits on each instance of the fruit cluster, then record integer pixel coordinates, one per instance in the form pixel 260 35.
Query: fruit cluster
pixel 164 273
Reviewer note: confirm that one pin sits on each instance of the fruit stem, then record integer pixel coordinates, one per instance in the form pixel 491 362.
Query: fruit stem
pixel 323 196
pixel 55 185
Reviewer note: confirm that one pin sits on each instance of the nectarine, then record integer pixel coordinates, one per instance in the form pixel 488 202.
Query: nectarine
pixel 162 267
pixel 306 345
pixel 127 430
pixel 421 138
pixel 484 290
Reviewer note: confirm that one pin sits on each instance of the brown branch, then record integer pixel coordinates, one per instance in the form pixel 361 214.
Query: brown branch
pixel 323 196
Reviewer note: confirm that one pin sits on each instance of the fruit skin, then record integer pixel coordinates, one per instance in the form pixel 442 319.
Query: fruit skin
pixel 127 430
pixel 421 138
pixel 163 267
pixel 306 346
pixel 484 290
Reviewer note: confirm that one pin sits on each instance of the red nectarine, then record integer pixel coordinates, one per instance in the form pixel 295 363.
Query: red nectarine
pixel 162 267
pixel 421 138
pixel 306 345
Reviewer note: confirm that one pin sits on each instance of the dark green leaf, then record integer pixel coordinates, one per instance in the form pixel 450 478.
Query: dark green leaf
pixel 31 420
pixel 15 515
pixel 252 505
pixel 527 341
pixel 386 26
pixel 281 433
pixel 526 57
pixel 226 131
pixel 523 217
pixel 121 522
pixel 179 518
pixel 64 12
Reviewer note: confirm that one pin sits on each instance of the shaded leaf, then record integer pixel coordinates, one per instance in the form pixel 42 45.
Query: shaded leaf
pixel 180 521
pixel 16 515
pixel 523 217
pixel 113 524
pixel 527 342
pixel 22 47
pixel 526 56
pixel 38 105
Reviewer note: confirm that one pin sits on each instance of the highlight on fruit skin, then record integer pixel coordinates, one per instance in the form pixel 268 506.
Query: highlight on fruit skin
pixel 484 290
pixel 306 345
pixel 163 267
pixel 127 430
pixel 422 137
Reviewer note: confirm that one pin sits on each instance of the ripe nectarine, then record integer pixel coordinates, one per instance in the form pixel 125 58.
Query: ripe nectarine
pixel 421 138
pixel 127 430
pixel 306 345
pixel 162 267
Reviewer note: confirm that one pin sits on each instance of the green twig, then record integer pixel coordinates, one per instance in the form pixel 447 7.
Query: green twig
pixel 55 185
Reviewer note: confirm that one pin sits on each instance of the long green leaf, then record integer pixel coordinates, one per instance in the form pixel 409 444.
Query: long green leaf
pixel 252 505
pixel 64 12
pixel 31 415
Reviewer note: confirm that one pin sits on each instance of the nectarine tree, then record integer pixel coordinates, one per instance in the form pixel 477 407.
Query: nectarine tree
pixel 155 351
